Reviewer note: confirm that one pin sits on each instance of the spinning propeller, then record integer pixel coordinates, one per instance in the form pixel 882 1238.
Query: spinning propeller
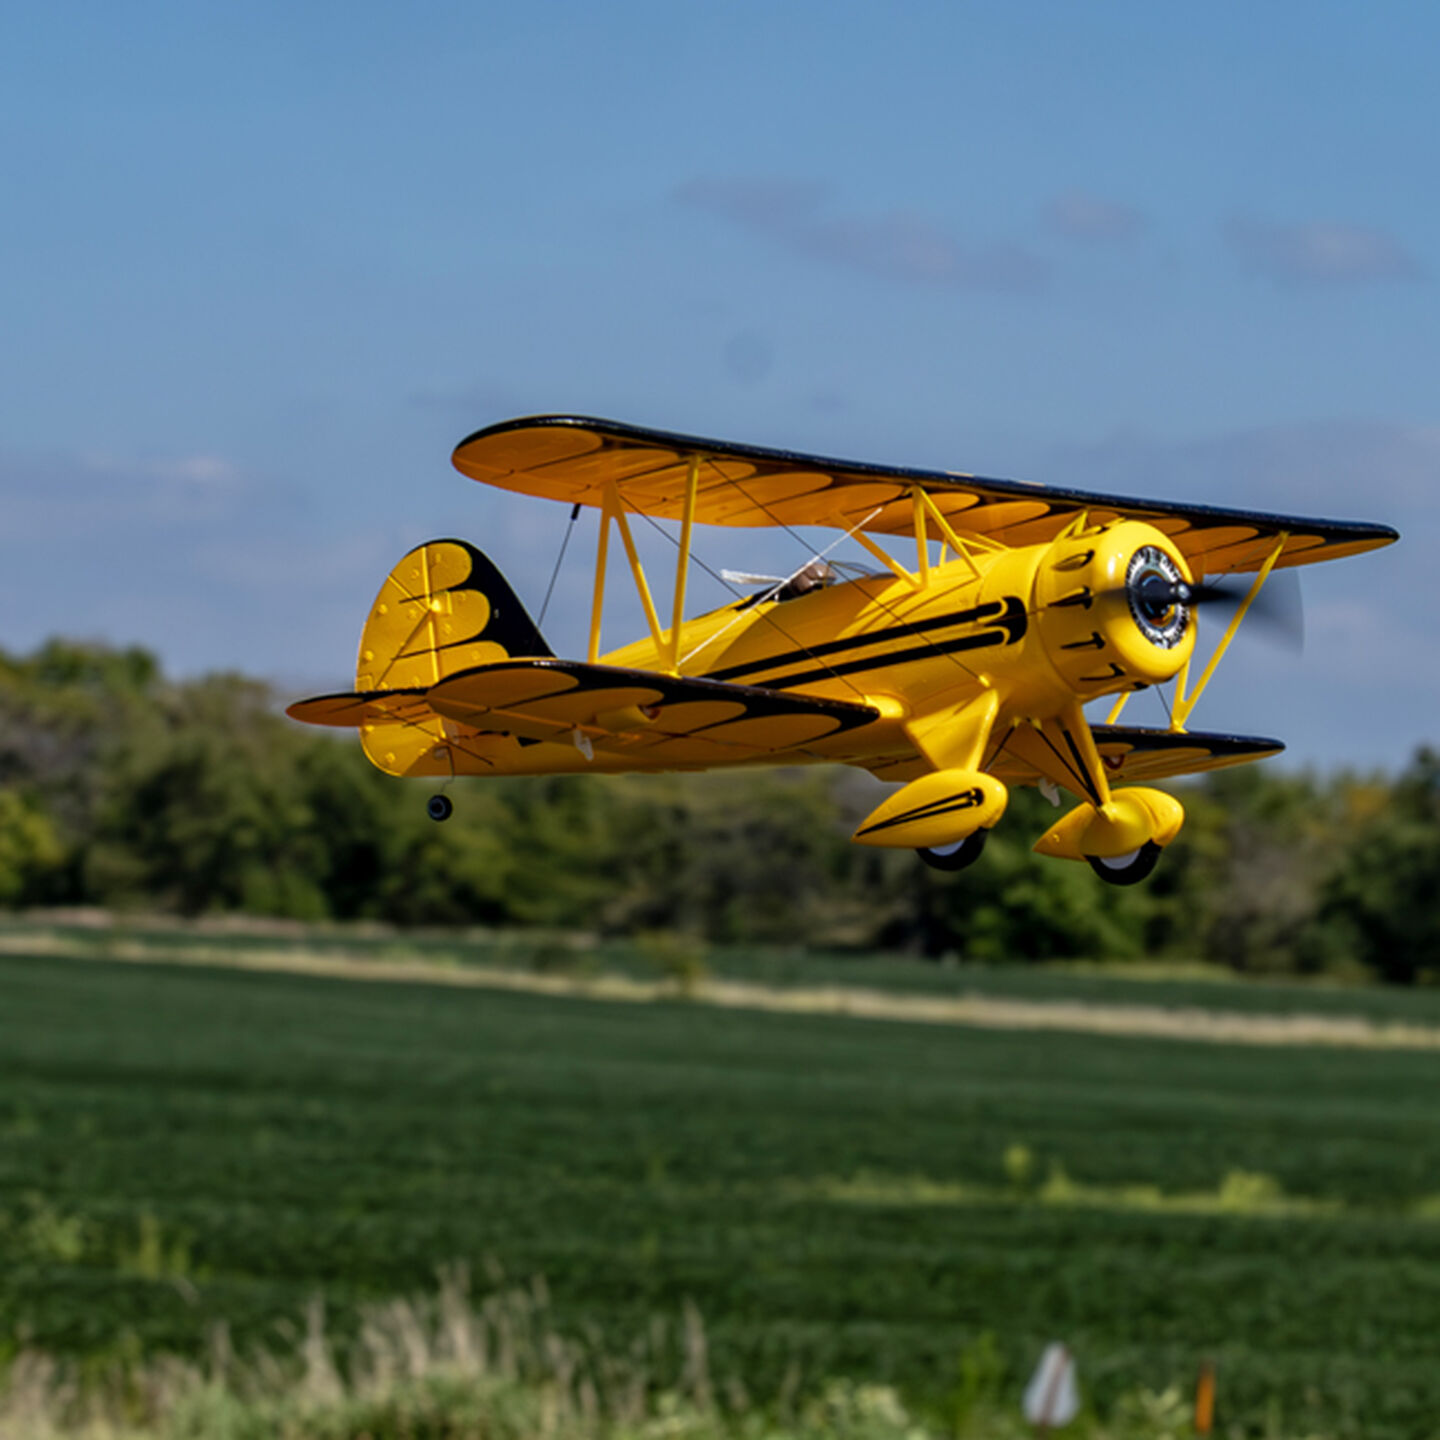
pixel 1160 599
pixel 1278 611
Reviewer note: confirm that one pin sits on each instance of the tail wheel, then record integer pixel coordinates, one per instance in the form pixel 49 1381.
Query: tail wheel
pixel 959 856
pixel 438 807
pixel 1126 869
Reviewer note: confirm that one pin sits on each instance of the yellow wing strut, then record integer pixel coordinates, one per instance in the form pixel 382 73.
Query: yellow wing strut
pixel 682 565
pixel 926 510
pixel 613 509
pixel 1184 703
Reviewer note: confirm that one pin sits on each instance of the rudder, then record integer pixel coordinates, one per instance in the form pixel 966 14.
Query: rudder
pixel 443 609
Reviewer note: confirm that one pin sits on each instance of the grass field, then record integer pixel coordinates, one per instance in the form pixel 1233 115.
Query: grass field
pixel 179 1146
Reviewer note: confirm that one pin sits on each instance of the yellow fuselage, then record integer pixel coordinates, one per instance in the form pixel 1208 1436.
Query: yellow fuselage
pixel 1044 626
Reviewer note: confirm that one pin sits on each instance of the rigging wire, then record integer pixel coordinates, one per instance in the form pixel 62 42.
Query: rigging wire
pixel 559 560
pixel 778 586
pixel 875 599
pixel 765 615
pixel 768 616
pixel 1169 714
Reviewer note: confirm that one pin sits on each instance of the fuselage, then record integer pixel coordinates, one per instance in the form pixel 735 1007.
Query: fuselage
pixel 1043 625
pixel 1027 634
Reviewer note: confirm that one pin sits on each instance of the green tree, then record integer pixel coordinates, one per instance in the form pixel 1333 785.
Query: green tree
pixel 203 811
pixel 62 710
pixel 30 850
pixel 1379 903
pixel 1242 882
pixel 740 856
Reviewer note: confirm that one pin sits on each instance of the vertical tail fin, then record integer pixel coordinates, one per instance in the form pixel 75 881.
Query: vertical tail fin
pixel 444 608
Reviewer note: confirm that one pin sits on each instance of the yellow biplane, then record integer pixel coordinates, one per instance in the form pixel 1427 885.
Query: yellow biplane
pixel 958 678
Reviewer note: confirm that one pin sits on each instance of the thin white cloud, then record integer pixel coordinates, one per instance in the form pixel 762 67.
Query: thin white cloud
pixel 1080 215
pixel 199 469
pixel 897 245
pixel 1319 253
pixel 109 496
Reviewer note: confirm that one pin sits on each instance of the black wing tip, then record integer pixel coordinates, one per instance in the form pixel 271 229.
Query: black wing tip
pixel 547 420
pixel 382 694
pixel 1214 741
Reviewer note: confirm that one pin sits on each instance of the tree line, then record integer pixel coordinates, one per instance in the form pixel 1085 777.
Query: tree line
pixel 122 788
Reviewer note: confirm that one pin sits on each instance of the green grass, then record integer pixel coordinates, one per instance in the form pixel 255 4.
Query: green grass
pixel 179 1146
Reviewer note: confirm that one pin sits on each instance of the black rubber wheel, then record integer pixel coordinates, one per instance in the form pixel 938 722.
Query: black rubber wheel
pixel 959 856
pixel 438 807
pixel 1126 869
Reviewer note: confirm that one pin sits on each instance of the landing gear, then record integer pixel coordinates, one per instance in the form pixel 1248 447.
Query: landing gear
pixel 1126 869
pixel 959 856
pixel 438 807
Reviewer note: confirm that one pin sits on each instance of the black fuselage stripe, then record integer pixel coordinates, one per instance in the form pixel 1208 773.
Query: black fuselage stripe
pixel 984 641
pixel 854 642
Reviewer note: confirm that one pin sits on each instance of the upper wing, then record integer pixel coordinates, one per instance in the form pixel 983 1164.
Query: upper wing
pixel 564 457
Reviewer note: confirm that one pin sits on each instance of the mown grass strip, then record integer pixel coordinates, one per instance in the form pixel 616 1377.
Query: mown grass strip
pixel 1088 1017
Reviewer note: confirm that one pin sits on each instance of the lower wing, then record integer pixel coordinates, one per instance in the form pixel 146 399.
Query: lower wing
pixel 542 716
pixel 547 715
pixel 1133 755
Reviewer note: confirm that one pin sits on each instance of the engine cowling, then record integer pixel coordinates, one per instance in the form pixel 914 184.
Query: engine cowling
pixel 1107 610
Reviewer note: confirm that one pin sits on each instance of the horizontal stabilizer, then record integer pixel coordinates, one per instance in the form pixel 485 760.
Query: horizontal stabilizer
pixel 353 709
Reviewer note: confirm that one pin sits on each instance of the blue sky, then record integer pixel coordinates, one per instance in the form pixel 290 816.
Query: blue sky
pixel 262 266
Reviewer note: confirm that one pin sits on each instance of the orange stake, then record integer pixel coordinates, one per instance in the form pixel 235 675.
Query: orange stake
pixel 1205 1399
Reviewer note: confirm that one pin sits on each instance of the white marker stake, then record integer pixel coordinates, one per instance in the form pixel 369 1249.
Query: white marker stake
pixel 1051 1397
